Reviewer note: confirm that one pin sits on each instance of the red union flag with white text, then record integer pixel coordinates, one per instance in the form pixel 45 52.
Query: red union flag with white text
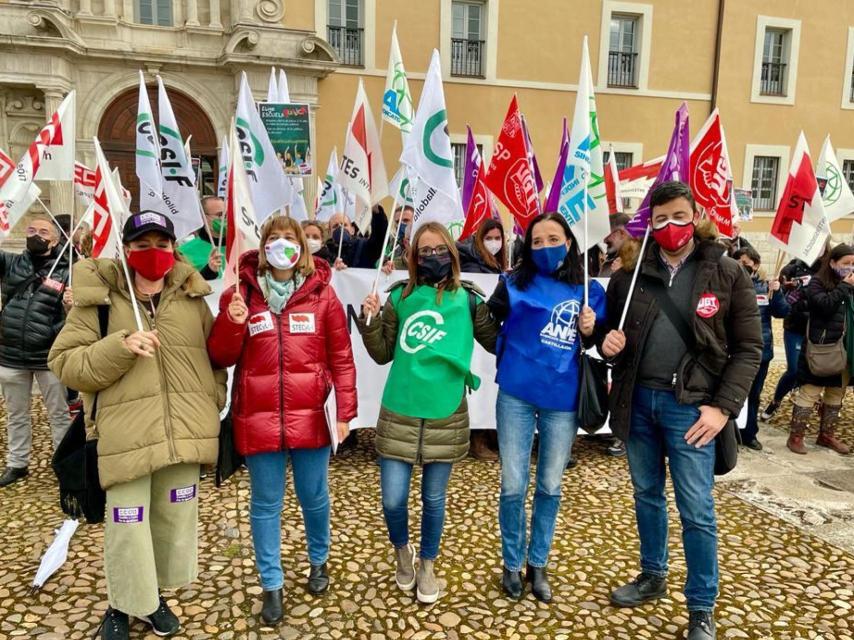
pixel 509 176
pixel 711 175
pixel 84 184
pixel 800 227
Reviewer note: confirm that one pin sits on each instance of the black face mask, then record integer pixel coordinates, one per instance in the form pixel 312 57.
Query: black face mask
pixel 434 269
pixel 37 245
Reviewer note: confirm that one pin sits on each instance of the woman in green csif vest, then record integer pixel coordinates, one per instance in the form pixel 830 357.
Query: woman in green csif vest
pixel 427 329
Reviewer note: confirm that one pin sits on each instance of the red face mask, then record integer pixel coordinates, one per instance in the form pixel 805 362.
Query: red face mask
pixel 152 264
pixel 673 235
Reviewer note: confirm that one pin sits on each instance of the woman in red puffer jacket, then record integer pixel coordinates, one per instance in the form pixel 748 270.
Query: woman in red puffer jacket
pixel 287 333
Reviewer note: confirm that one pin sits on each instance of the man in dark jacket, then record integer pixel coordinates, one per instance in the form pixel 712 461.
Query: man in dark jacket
pixel 32 316
pixel 357 252
pixel 683 367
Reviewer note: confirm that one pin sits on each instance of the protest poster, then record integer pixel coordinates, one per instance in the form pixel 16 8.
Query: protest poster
pixel 289 128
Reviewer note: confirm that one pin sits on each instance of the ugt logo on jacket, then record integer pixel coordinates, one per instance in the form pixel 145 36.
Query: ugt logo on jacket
pixel 562 327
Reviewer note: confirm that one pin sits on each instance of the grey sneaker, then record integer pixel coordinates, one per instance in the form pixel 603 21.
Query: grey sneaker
pixel 405 574
pixel 428 587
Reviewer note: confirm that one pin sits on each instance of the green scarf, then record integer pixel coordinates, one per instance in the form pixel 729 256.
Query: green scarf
pixel 278 293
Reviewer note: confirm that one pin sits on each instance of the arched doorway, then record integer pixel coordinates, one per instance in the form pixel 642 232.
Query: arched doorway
pixel 117 134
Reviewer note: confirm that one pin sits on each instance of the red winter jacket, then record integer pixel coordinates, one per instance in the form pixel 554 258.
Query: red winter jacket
pixel 286 364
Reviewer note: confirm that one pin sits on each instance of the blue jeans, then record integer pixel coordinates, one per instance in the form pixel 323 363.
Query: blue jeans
pixel 267 479
pixel 658 427
pixel 395 478
pixel 753 398
pixel 517 420
pixel 789 380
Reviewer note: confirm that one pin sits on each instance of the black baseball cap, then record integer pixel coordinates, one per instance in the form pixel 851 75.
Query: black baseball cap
pixel 145 221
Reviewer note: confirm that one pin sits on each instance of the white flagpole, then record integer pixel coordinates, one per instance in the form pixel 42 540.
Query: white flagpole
pixel 382 253
pixel 396 230
pixel 70 246
pixel 634 280
pixel 341 237
pixel 52 217
pixel 584 255
pixel 73 228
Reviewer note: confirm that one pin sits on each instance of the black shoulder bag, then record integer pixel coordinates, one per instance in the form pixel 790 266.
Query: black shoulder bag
pixel 75 461
pixel 727 440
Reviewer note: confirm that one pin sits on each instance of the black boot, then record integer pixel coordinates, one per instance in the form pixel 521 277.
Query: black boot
pixel 115 625
pixel 539 580
pixel 12 475
pixel 642 589
pixel 701 626
pixel 318 579
pixel 511 583
pixel 271 611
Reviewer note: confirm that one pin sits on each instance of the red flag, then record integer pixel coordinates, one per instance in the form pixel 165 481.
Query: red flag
pixel 711 174
pixel 510 176
pixel 612 186
pixel 481 207
pixel 103 222
pixel 7 166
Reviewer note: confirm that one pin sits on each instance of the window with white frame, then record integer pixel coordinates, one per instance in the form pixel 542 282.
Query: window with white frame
pixel 848 172
pixel 623 51
pixel 345 30
pixel 468 39
pixel 459 150
pixel 764 183
pixel 775 58
pixel 154 12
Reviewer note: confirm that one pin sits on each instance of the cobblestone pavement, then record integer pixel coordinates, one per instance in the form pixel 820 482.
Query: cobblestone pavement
pixel 777 581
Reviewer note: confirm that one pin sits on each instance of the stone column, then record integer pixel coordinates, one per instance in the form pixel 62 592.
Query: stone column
pixel 240 11
pixel 216 15
pixel 60 193
pixel 85 8
pixel 128 10
pixel 192 13
pixel 110 8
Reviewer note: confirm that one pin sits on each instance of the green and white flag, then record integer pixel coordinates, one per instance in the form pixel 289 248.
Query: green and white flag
pixel 401 188
pixel 179 200
pixel 397 99
pixel 428 156
pixel 584 174
pixel 835 192
pixel 329 201
pixel 147 147
pixel 267 183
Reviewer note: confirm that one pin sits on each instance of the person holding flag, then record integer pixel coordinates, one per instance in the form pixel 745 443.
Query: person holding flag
pixel 683 367
pixel 33 314
pixel 285 330
pixel 139 357
pixel 206 252
pixel 544 322
pixel 426 329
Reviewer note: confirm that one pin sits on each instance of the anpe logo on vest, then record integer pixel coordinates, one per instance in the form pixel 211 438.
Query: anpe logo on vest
pixel 420 331
pixel 562 328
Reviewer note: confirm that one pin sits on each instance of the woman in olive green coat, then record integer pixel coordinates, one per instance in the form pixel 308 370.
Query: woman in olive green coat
pixel 427 330
pixel 156 403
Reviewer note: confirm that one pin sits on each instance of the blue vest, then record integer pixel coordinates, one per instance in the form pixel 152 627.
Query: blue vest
pixel 538 349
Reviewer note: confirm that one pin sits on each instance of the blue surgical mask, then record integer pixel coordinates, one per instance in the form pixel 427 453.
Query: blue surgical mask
pixel 401 232
pixel 843 272
pixel 549 259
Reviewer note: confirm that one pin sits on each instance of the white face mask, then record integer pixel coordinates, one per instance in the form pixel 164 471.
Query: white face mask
pixel 314 244
pixel 282 254
pixel 493 246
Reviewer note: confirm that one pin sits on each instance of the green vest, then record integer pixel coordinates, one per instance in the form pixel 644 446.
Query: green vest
pixel 432 356
pixel 197 252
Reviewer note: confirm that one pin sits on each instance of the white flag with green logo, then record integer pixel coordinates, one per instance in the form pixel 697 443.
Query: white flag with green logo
pixel 267 183
pixel 147 146
pixel 397 99
pixel 179 200
pixel 329 200
pixel 835 192
pixel 584 174
pixel 427 153
pixel 401 188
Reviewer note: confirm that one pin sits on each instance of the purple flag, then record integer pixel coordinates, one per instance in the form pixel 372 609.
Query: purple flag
pixel 470 170
pixel 553 199
pixel 532 157
pixel 675 167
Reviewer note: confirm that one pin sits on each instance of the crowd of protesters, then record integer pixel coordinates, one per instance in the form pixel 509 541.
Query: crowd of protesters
pixel 694 349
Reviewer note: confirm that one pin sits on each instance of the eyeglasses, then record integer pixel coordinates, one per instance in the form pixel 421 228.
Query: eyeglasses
pixel 426 252
pixel 44 233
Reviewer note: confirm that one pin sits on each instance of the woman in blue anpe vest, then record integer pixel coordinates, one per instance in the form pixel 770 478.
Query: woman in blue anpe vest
pixel 544 321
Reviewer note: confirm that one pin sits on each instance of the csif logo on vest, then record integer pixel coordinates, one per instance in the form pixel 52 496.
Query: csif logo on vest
pixel 421 329
pixel 562 328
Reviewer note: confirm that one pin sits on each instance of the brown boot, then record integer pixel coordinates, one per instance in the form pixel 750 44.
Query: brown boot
pixel 827 435
pixel 800 420
pixel 480 446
